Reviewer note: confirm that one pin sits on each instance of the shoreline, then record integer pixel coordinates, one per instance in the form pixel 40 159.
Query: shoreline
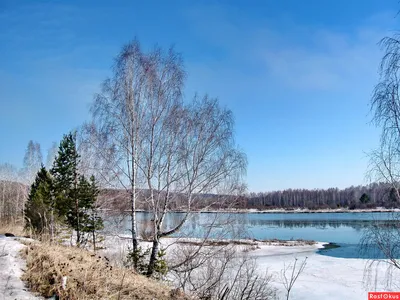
pixel 337 278
pixel 278 210
pixel 301 211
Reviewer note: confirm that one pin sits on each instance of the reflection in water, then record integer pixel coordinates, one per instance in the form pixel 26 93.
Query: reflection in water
pixel 198 225
pixel 355 224
pixel 345 229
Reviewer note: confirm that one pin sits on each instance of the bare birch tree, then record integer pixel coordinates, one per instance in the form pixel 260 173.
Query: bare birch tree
pixel 13 193
pixel 119 127
pixel 385 162
pixel 148 139
pixel 51 155
pixel 33 160
pixel 14 183
pixel 196 156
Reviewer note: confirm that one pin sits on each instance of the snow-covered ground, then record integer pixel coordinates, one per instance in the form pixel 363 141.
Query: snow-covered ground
pixel 324 277
pixel 11 265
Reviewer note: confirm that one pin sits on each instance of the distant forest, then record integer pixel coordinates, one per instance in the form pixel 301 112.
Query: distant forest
pixel 13 195
pixel 354 197
pixel 370 196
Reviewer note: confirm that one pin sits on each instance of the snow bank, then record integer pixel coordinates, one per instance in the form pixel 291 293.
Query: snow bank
pixel 11 265
pixel 324 277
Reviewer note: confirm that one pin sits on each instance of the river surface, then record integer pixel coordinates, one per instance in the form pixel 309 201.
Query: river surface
pixel 345 230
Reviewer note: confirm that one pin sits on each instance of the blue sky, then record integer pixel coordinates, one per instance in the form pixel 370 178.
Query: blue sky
pixel 298 75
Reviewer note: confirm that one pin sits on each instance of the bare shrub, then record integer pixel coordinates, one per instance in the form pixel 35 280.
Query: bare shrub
pixel 218 272
pixel 290 274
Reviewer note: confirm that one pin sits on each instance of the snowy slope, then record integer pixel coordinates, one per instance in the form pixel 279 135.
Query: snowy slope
pixel 11 265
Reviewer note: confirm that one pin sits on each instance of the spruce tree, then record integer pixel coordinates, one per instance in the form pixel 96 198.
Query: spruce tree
pixel 75 195
pixel 38 207
pixel 91 221
pixel 365 199
pixel 66 181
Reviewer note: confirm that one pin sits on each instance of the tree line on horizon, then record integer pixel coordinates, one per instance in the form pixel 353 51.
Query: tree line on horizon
pixel 370 196
pixel 14 190
pixel 354 197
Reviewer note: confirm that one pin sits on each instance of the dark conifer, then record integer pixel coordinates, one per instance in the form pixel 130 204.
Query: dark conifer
pixel 66 181
pixel 37 212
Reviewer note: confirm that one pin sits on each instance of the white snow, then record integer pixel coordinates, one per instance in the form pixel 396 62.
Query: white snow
pixel 11 266
pixel 324 277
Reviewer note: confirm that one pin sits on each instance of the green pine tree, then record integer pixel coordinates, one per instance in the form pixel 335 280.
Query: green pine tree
pixel 95 222
pixel 90 221
pixel 364 199
pixel 38 207
pixel 75 195
pixel 66 181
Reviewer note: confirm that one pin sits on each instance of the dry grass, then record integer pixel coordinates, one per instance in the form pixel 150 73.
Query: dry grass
pixel 298 242
pixel 253 243
pixel 89 276
pixel 218 242
pixel 15 228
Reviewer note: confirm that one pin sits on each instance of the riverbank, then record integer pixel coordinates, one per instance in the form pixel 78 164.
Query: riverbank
pixel 278 210
pixel 324 277
pixel 301 210
pixel 66 272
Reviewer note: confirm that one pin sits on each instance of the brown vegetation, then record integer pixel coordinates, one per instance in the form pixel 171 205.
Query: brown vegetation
pixel 255 242
pixel 298 242
pixel 87 275
pixel 15 228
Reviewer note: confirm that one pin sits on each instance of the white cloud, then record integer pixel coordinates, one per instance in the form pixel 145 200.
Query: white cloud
pixel 297 56
pixel 331 61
